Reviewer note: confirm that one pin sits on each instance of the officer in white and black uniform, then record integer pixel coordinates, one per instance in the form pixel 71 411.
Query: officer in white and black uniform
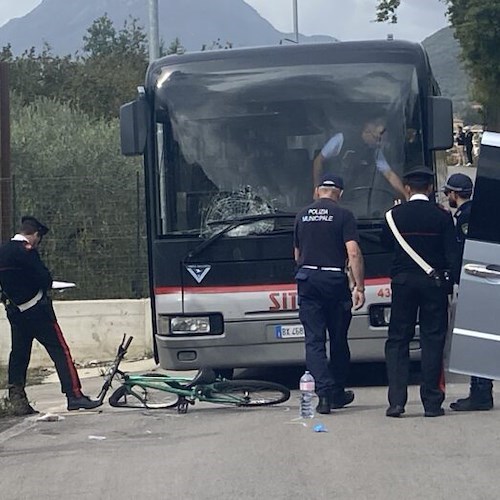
pixel 325 237
pixel 25 282
pixel 429 230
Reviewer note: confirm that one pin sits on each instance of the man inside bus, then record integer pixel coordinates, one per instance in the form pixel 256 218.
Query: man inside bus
pixel 363 151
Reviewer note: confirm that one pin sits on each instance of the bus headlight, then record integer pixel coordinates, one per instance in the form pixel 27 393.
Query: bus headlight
pixel 207 324
pixel 183 326
pixel 380 315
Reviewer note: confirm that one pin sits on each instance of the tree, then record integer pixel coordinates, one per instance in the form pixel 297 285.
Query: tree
pixel 475 24
pixel 217 45
pixel 114 62
pixel 40 75
pixel 98 81
pixel 175 47
pixel 69 172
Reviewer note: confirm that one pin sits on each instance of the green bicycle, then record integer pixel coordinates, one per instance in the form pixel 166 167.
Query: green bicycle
pixel 161 391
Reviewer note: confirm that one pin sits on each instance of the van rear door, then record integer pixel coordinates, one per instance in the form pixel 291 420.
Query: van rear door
pixel 475 345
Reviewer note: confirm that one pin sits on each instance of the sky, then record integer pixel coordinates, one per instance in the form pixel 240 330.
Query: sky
pixel 342 19
pixel 353 19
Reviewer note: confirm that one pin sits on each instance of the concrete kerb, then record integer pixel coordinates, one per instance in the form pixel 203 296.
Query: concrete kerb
pixel 142 365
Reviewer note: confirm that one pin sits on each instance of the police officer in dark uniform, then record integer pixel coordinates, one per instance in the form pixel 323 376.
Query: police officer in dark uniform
pixel 429 230
pixel 325 237
pixel 458 189
pixel 25 284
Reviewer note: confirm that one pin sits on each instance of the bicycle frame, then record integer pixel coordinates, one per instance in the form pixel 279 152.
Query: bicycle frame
pixel 205 392
pixel 206 386
pixel 112 370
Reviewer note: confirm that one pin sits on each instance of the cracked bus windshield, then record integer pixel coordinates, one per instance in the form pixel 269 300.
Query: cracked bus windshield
pixel 241 142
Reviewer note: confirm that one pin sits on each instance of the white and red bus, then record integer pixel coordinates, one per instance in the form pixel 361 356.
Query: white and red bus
pixel 229 138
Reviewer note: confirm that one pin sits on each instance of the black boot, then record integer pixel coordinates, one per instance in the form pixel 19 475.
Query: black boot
pixel 19 401
pixel 82 403
pixel 343 399
pixel 478 400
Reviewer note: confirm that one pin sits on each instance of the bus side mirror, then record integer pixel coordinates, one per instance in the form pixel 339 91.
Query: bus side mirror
pixel 440 123
pixel 133 127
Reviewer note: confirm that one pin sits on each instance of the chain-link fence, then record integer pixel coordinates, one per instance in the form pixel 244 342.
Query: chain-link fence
pixel 68 172
pixel 97 231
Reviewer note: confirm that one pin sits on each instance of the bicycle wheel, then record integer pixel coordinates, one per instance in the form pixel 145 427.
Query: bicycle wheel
pixel 137 396
pixel 249 393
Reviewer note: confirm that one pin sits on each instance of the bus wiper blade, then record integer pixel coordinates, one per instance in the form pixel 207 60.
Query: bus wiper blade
pixel 254 218
pixel 232 224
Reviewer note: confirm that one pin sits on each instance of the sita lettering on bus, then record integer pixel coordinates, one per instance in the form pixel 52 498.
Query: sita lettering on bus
pixel 283 301
pixel 317 215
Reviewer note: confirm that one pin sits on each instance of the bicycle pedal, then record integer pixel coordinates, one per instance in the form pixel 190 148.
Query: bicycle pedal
pixel 182 408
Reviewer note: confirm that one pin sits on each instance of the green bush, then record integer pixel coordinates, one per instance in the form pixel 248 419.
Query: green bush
pixel 68 171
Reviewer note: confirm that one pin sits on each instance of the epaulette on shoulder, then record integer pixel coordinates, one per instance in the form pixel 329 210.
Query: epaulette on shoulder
pixel 397 206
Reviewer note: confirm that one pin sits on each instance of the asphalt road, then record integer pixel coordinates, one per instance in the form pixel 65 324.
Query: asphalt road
pixel 266 453
pixel 226 453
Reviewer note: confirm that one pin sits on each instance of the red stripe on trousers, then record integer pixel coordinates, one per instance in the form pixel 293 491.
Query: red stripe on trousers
pixel 75 381
pixel 442 381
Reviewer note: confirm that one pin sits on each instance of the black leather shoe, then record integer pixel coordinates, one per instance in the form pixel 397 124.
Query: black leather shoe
pixel 473 404
pixel 394 411
pixel 438 412
pixel 346 399
pixel 82 403
pixel 323 405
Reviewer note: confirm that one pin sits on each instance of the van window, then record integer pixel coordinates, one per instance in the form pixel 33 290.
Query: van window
pixel 485 217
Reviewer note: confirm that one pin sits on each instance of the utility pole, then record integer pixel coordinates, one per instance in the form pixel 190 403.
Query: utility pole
pixel 296 21
pixel 154 38
pixel 154 53
pixel 5 170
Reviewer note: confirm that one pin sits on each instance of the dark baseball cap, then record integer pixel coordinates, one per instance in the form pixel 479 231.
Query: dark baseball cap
pixel 331 180
pixel 422 173
pixel 40 228
pixel 460 183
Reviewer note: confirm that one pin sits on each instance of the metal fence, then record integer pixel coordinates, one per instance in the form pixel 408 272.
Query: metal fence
pixel 97 235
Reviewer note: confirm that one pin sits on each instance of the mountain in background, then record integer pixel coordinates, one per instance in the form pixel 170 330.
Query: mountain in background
pixel 444 52
pixel 63 23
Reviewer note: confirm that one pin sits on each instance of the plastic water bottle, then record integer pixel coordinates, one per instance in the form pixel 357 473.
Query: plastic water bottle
pixel 306 395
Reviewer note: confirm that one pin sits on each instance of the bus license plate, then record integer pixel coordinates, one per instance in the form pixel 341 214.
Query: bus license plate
pixel 289 331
